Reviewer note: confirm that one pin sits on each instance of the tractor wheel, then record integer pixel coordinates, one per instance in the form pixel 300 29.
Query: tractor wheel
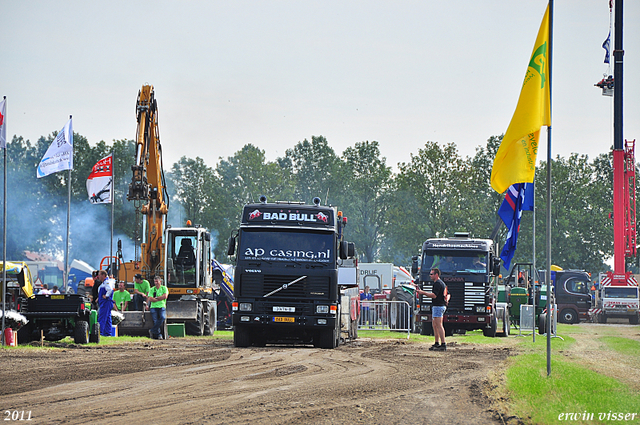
pixel 94 337
pixel 506 325
pixel 81 332
pixel 542 324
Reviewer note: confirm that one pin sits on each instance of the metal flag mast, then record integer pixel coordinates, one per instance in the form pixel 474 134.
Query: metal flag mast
pixel 66 250
pixel 4 235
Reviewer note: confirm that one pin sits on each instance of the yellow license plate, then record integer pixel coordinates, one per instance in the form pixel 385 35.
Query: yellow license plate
pixel 284 319
pixel 57 297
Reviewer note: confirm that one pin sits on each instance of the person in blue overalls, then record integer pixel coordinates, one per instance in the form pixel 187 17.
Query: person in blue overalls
pixel 105 303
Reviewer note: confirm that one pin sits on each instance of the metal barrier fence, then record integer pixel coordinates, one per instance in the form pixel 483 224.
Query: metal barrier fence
pixel 382 315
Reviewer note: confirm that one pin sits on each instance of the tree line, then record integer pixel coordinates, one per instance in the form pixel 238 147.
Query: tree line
pixel 390 214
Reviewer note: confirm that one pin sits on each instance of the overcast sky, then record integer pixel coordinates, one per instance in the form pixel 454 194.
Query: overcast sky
pixel 272 73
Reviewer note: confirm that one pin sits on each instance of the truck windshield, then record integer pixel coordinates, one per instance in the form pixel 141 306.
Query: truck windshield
pixel 286 246
pixel 621 292
pixel 456 262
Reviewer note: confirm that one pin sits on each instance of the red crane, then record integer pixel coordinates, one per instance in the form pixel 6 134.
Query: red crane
pixel 624 214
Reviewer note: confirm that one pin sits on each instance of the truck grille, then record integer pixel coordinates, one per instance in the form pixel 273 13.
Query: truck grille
pixel 462 295
pixel 257 286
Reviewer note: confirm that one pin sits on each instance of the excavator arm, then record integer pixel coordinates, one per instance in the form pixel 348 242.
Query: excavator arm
pixel 148 189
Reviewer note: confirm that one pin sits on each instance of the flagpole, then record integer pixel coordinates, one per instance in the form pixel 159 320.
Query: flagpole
pixel 4 234
pixel 548 277
pixel 533 249
pixel 66 250
pixel 112 208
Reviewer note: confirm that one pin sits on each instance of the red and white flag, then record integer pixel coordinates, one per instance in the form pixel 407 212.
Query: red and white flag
pixel 100 181
pixel 3 124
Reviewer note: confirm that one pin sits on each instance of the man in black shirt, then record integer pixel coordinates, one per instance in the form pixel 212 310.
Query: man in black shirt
pixel 440 298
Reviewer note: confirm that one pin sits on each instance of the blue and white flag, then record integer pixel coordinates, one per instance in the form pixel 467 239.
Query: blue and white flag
pixel 519 197
pixel 605 46
pixel 59 156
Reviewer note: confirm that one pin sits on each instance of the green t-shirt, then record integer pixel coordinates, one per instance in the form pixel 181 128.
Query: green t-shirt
pixel 157 292
pixel 119 298
pixel 142 286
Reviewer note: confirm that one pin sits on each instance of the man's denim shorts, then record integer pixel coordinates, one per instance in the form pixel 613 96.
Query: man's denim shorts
pixel 438 311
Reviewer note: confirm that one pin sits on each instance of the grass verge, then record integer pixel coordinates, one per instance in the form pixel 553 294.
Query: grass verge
pixel 572 392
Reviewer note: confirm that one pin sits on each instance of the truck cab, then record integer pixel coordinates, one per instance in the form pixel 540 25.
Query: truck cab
pixel 286 286
pixel 468 268
pixel 572 294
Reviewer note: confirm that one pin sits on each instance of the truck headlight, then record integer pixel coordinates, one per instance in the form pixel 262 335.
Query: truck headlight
pixel 481 309
pixel 322 321
pixel 322 309
pixel 245 306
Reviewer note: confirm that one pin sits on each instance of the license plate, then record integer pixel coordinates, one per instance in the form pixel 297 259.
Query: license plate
pixel 284 309
pixel 57 297
pixel 284 319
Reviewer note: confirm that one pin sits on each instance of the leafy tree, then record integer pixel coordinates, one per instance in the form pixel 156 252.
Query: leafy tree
pixel 315 168
pixel 429 201
pixel 192 179
pixel 364 199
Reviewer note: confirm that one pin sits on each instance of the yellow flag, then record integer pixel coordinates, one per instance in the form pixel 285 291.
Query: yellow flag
pixel 515 161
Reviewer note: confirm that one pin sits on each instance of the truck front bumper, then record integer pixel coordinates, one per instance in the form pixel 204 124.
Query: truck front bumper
pixel 480 320
pixel 275 320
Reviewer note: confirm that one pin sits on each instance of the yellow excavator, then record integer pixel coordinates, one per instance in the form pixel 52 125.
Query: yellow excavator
pixel 182 256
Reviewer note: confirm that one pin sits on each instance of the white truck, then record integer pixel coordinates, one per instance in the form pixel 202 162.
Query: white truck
pixel 381 277
pixel 377 276
pixel 616 301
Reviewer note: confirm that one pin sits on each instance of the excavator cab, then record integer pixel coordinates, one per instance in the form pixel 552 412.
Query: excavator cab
pixel 182 258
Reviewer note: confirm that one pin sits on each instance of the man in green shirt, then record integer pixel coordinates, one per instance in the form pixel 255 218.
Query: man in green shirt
pixel 121 297
pixel 140 290
pixel 158 302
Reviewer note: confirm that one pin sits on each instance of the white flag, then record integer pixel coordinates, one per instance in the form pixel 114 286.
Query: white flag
pixel 100 181
pixel 3 124
pixel 59 156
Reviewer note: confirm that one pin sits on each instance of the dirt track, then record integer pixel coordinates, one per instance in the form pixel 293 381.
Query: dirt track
pixel 200 380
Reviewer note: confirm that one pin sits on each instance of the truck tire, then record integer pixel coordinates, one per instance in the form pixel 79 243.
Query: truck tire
pixel 426 328
pixel 325 339
pixel 209 320
pixel 94 337
pixel 569 316
pixel 491 330
pixel 633 320
pixel 603 318
pixel 81 332
pixel 196 327
pixel 448 330
pixel 241 337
